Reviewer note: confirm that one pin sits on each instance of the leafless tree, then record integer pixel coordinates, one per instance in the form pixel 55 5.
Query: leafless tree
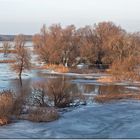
pixel 22 56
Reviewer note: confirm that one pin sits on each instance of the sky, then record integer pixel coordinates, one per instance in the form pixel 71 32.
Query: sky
pixel 28 16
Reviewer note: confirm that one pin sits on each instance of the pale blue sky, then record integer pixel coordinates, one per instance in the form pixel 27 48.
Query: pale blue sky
pixel 27 16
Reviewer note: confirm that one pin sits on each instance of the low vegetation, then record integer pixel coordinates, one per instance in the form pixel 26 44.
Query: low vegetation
pixel 57 68
pixel 6 106
pixel 12 106
pixel 84 71
pixel 56 92
pixel 43 114
pixel 107 79
pixel 103 98
pixel 8 51
pixel 126 69
pixel 7 61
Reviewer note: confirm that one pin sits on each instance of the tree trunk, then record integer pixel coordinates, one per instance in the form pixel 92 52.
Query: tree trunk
pixel 20 79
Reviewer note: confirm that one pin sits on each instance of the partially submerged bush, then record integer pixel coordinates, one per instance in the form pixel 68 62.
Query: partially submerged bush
pixel 102 98
pixel 43 114
pixel 57 92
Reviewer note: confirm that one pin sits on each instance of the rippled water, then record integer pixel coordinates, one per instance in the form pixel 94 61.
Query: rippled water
pixel 118 119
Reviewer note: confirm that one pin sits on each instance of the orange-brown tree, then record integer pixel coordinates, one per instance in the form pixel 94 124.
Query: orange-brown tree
pixel 56 45
pixel 22 56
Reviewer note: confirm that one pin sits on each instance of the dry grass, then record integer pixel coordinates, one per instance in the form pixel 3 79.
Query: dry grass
pixel 8 51
pixel 106 79
pixel 7 61
pixel 102 98
pixel 6 106
pixel 83 71
pixel 43 114
pixel 56 68
pixel 127 69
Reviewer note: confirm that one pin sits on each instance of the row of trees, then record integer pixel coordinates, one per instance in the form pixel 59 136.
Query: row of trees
pixel 104 43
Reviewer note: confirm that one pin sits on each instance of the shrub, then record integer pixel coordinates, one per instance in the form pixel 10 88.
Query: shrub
pixel 20 101
pixel 127 69
pixel 6 103
pixel 6 106
pixel 39 94
pixel 43 114
pixel 57 92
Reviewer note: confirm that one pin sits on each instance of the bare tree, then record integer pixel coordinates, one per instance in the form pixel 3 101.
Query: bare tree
pixel 56 92
pixel 56 45
pixel 22 56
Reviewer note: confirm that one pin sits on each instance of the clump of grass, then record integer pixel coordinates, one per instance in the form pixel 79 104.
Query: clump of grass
pixel 102 98
pixel 43 114
pixel 56 68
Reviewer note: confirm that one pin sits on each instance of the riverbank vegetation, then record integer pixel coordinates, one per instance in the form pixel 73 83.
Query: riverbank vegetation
pixel 103 98
pixel 104 45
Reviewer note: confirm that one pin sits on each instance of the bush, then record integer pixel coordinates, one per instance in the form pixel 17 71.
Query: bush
pixel 39 94
pixel 20 102
pixel 127 69
pixel 57 92
pixel 43 114
pixel 6 106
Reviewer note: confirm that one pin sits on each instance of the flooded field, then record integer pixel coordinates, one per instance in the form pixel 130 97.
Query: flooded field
pixel 116 119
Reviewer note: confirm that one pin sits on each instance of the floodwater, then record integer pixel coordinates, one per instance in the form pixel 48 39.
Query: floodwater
pixel 117 119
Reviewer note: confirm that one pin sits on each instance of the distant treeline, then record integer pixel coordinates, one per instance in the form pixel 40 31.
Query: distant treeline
pixel 11 37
